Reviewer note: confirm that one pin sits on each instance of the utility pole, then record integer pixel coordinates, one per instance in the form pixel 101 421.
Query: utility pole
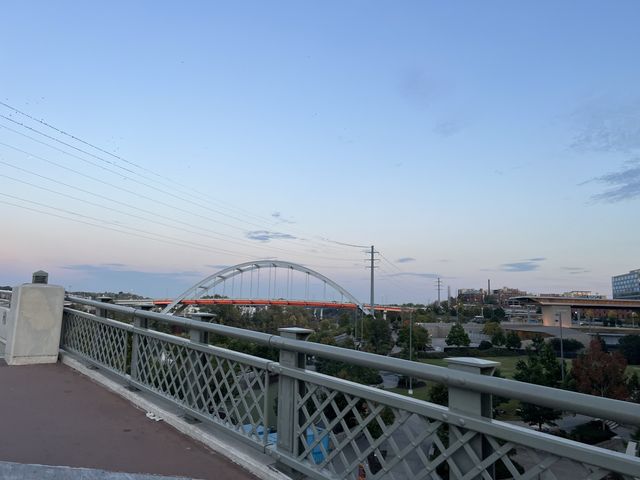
pixel 372 267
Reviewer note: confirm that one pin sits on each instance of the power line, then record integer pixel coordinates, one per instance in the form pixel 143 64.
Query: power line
pixel 112 229
pixel 164 192
pixel 113 155
pixel 216 236
pixel 122 175
pixel 73 187
pixel 190 191
pixel 172 185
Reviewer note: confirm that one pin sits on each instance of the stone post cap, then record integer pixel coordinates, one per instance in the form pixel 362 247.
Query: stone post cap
pixel 472 364
pixel 40 276
pixel 295 332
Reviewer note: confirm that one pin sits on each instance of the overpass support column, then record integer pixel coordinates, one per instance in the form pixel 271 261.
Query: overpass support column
pixel 471 403
pixel 551 315
pixel 34 324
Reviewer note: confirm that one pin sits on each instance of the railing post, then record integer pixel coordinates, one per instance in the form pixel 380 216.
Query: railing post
pixel 102 312
pixel 198 362
pixel 135 346
pixel 287 389
pixel 468 402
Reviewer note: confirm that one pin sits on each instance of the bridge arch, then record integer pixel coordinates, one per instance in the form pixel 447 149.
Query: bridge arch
pixel 199 289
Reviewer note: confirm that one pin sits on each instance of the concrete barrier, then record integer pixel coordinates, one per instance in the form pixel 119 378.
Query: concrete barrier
pixel 33 324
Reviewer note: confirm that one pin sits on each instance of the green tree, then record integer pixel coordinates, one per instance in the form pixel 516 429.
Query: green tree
pixel 491 328
pixel 600 373
pixel 630 348
pixel 541 368
pixel 513 340
pixel 633 387
pixel 457 336
pixel 537 343
pixel 420 339
pixel 378 335
pixel 439 393
pixel 498 338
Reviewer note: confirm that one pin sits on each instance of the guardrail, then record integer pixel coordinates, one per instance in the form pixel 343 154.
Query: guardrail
pixel 327 428
pixel 5 305
pixel 5 297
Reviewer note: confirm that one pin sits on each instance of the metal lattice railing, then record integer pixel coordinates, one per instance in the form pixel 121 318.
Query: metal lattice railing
pixel 345 429
pixel 328 428
pixel 211 382
pixel 5 298
pixel 97 339
pixel 225 387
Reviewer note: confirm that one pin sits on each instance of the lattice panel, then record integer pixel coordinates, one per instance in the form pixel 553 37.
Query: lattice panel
pixel 104 344
pixel 230 392
pixel 341 435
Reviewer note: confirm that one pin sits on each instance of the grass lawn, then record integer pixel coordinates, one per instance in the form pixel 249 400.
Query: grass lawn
pixel 507 364
pixel 420 393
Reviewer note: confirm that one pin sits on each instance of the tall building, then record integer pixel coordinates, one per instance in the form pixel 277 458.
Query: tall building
pixel 627 285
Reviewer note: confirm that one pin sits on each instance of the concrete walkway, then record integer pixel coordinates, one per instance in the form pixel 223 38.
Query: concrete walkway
pixel 20 471
pixel 52 415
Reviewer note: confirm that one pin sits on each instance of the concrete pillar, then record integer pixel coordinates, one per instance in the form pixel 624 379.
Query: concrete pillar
pixel 34 324
pixel 102 312
pixel 463 400
pixel 552 313
pixel 287 388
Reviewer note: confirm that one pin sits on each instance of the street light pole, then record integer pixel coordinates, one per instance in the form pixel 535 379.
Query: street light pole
pixel 559 315
pixel 410 349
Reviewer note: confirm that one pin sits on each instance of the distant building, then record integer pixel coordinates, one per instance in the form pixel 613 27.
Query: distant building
pixel 586 294
pixel 503 295
pixel 470 295
pixel 626 286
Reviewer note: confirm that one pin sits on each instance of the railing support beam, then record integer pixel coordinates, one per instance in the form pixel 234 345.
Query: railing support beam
pixel 287 420
pixel 469 402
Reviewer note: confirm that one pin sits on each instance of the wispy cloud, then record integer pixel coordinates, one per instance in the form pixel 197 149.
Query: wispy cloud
pixel 527 265
pixel 414 274
pixel 218 266
pixel 118 268
pixel 448 128
pixel 604 125
pixel 281 219
pixel 418 87
pixel 405 260
pixel 624 184
pixel 267 236
pixel 116 278
pixel 575 270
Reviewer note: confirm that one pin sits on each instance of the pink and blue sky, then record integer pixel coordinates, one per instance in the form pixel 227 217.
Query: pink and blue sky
pixel 467 140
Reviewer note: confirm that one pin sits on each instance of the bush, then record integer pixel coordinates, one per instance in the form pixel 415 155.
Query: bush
pixel 591 432
pixel 569 345
pixel 485 345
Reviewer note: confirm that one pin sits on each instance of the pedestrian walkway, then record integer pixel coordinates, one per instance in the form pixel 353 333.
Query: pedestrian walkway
pixel 52 415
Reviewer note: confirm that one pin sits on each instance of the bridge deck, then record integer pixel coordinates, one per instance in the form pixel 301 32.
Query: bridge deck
pixel 52 415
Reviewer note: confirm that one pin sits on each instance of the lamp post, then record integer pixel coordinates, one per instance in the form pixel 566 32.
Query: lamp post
pixel 410 349
pixel 559 316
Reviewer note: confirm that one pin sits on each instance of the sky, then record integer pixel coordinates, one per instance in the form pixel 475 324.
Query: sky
pixel 147 145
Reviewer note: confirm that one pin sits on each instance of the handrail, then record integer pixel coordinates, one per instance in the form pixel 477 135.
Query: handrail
pixel 622 412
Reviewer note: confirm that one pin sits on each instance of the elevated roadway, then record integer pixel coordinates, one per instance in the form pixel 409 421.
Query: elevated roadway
pixel 557 310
